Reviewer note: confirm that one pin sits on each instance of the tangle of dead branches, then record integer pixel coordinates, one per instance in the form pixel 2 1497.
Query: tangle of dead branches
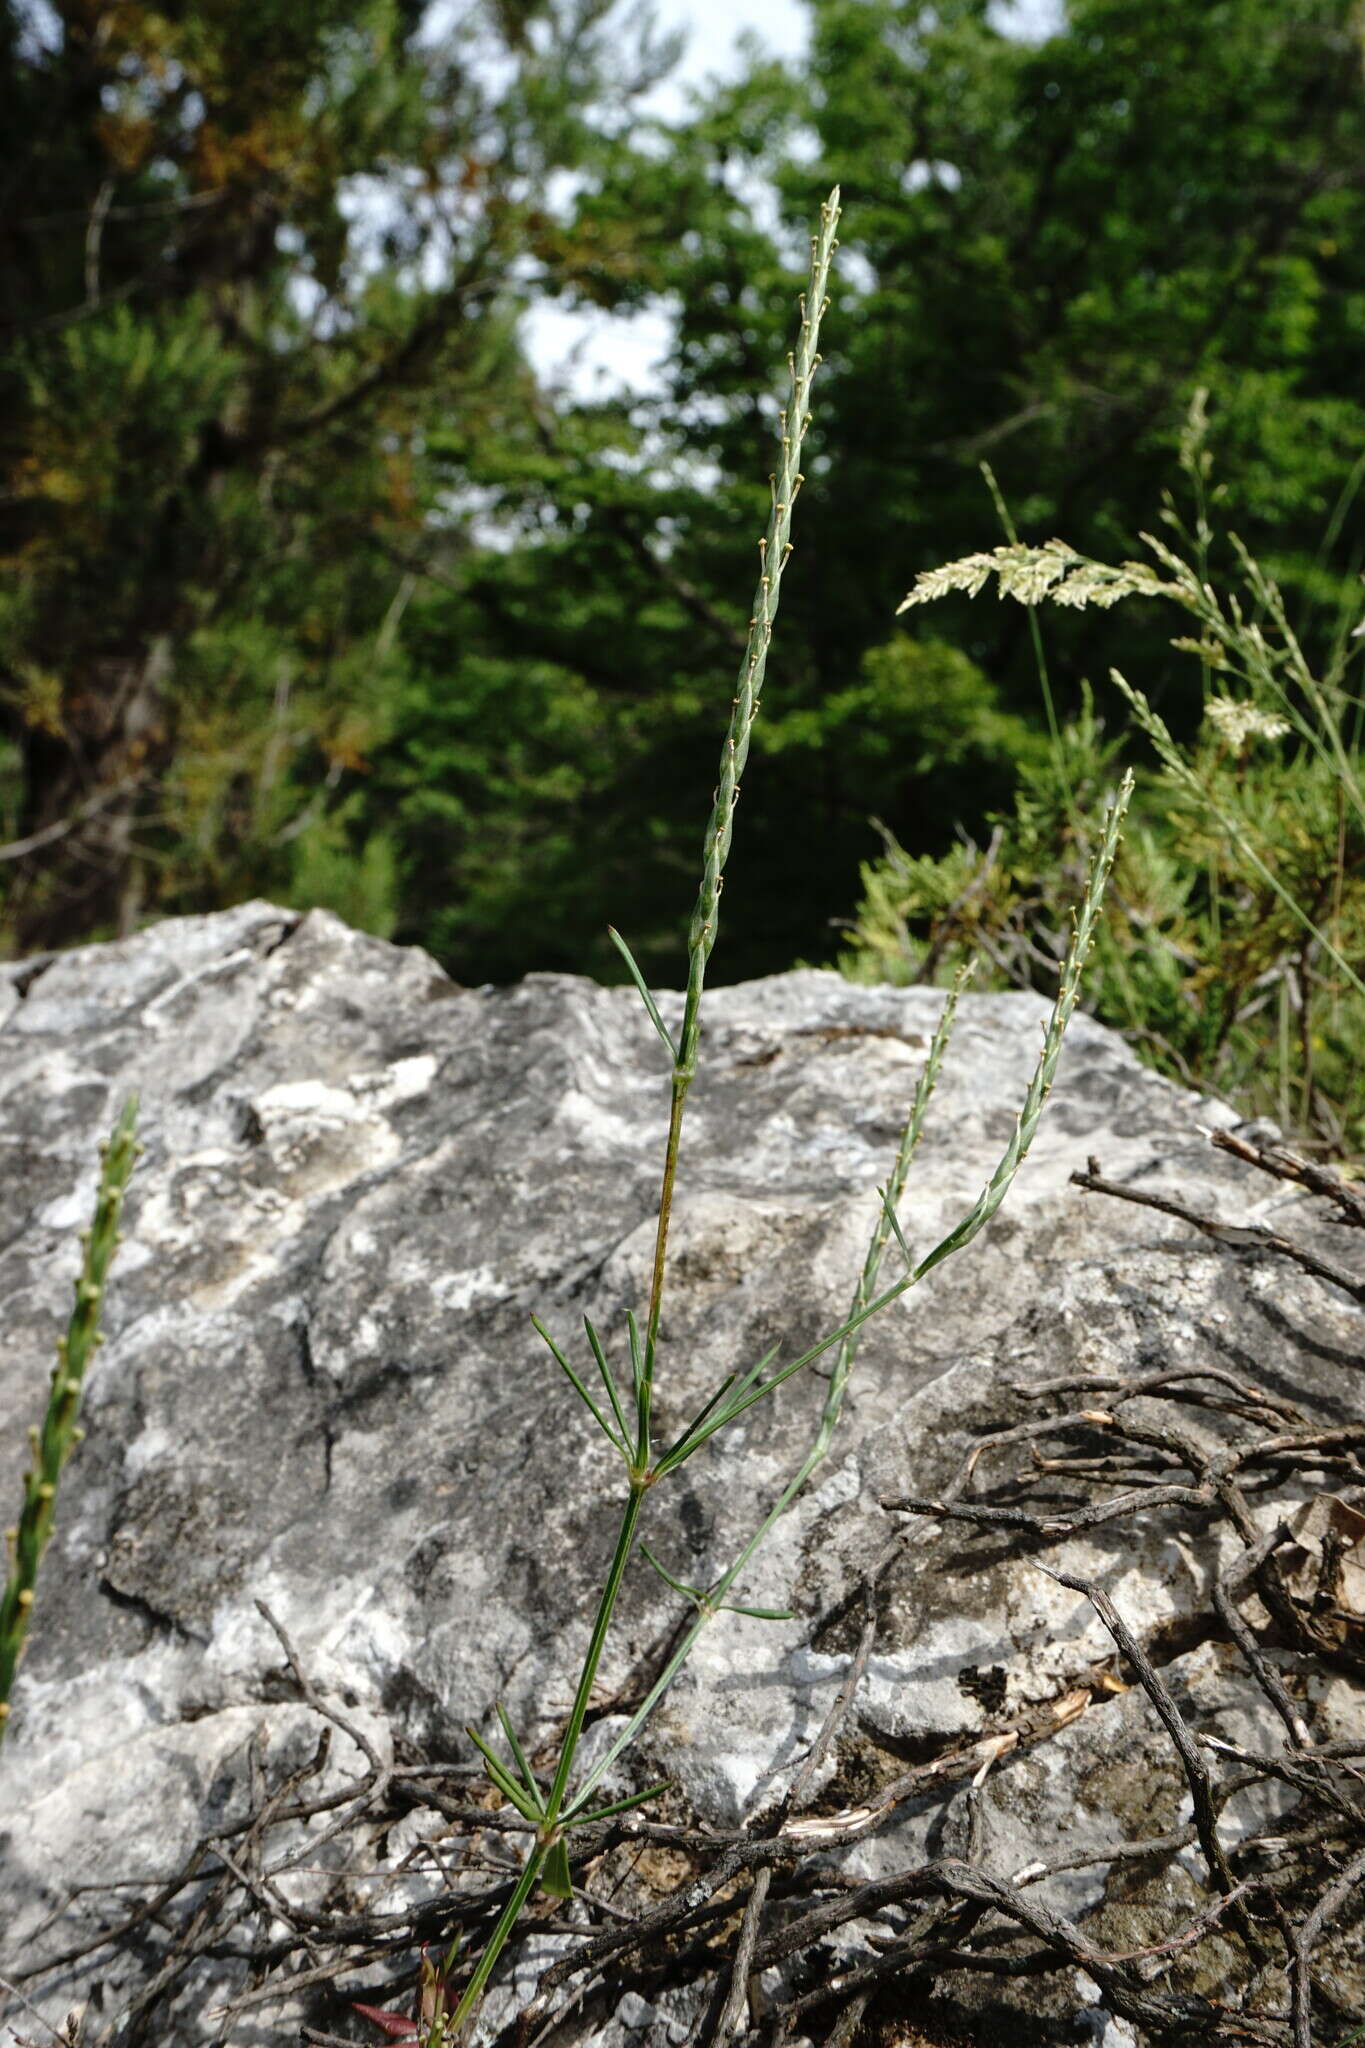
pixel 300 1906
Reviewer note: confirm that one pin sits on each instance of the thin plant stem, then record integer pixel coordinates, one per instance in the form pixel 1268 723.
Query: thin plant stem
pixel 461 2020
pixel 677 1106
pixel 625 1541
pixel 1068 794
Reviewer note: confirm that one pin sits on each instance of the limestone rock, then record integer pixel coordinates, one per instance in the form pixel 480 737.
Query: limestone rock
pixel 320 1386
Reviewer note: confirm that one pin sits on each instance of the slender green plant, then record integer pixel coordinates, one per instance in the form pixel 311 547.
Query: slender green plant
pixel 623 1412
pixel 60 1432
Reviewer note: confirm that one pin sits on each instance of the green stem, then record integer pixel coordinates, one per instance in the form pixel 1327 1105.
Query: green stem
pixel 1065 789
pixel 624 1543
pixel 549 1836
pixel 656 1287
pixel 463 2015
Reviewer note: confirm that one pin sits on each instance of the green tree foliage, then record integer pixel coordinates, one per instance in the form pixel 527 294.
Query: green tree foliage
pixel 1045 248
pixel 249 254
pixel 1059 243
pixel 446 652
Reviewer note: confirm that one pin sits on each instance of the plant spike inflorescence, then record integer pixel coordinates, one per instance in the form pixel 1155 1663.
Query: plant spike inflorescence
pixel 60 1433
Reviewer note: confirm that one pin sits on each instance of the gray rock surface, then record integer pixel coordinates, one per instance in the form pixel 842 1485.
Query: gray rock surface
pixel 320 1387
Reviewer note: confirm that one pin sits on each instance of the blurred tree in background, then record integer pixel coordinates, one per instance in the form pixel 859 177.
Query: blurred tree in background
pixel 311 590
pixel 1045 249
pixel 251 253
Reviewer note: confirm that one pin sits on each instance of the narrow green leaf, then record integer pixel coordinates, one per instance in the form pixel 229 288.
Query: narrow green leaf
pixel 510 1732
pixel 746 1380
pixel 576 1383
pixel 710 1419
pixel 680 1586
pixel 655 1019
pixel 608 1378
pixel 504 1782
pixel 699 1417
pixel 620 1805
pixel 641 1369
pixel 502 1778
pixel 760 1613
pixel 889 1212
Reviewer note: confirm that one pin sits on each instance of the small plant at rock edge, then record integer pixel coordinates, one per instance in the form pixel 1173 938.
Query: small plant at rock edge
pixel 60 1431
